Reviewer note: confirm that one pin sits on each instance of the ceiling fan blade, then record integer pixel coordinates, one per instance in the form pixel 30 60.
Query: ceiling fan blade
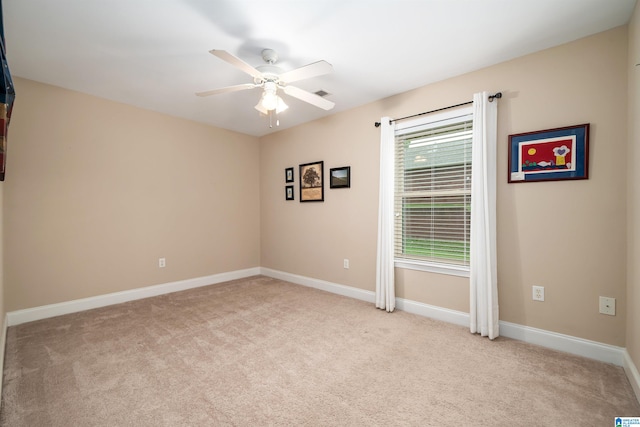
pixel 311 70
pixel 235 88
pixel 309 97
pixel 236 62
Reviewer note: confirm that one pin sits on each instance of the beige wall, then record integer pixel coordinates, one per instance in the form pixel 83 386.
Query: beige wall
pixel 633 254
pixel 569 237
pixel 97 191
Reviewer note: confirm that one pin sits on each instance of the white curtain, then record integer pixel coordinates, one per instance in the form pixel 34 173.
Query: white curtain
pixel 484 283
pixel 385 286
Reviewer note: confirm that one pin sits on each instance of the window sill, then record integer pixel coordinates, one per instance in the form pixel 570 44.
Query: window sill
pixel 451 270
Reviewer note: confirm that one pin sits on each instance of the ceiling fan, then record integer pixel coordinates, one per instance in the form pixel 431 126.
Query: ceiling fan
pixel 271 78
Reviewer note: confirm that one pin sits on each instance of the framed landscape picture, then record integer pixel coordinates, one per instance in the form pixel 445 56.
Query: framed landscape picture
pixel 549 155
pixel 340 177
pixel 312 182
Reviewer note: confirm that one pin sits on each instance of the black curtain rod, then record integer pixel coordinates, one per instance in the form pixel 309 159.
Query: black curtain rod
pixel 498 95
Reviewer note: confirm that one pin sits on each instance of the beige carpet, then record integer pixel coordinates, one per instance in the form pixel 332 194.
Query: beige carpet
pixel 261 351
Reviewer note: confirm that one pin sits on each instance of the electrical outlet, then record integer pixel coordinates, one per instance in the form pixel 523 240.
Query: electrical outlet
pixel 538 293
pixel 608 306
pixel 162 262
pixel 346 263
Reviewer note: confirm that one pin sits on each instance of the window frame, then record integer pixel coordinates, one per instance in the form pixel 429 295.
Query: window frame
pixel 417 125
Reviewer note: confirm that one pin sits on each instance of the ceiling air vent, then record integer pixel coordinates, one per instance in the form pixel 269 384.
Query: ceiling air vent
pixel 321 93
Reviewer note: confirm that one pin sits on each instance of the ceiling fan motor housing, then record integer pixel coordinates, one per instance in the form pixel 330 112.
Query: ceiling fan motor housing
pixel 270 56
pixel 270 73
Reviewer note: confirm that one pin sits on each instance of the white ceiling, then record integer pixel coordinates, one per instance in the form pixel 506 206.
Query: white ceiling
pixel 154 53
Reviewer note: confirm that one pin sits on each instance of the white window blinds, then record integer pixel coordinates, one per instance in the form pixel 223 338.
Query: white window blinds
pixel 433 190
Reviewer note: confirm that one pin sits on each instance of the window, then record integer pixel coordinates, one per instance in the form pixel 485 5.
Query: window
pixel 433 193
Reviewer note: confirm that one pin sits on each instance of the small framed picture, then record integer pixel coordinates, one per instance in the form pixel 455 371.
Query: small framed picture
pixel 288 192
pixel 549 155
pixel 288 175
pixel 340 177
pixel 312 182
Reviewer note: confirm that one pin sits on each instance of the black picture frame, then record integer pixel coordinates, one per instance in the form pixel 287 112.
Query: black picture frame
pixel 312 182
pixel 340 177
pixel 549 155
pixel 288 192
pixel 288 175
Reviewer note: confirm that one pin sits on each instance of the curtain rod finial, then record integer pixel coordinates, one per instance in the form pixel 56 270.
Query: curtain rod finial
pixel 377 124
pixel 498 95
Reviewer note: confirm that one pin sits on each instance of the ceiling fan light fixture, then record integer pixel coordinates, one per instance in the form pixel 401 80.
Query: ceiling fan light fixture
pixel 280 106
pixel 260 108
pixel 269 100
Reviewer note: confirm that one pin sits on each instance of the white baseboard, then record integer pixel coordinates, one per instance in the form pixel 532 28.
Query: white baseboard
pixel 567 343
pixel 433 312
pixel 46 311
pixel 334 288
pixel 632 373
